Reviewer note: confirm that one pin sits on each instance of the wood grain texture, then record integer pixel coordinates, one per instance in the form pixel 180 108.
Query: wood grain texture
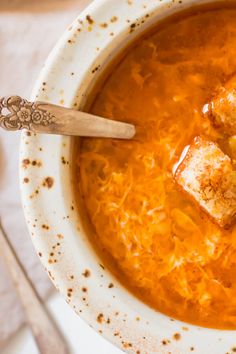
pixel 47 336
pixel 39 6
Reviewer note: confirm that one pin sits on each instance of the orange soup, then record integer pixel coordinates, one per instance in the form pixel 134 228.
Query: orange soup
pixel 165 249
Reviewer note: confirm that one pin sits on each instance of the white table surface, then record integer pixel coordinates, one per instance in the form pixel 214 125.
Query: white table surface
pixel 80 337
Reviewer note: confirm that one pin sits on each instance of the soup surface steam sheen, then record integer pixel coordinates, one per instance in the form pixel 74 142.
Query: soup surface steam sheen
pixel 161 245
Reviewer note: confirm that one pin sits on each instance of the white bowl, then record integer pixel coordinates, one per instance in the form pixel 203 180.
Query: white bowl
pixel 55 225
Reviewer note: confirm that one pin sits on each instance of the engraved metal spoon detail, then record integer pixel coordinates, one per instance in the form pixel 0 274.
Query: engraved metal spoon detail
pixel 17 113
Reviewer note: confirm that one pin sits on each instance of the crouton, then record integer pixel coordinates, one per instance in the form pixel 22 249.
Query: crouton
pixel 222 109
pixel 206 174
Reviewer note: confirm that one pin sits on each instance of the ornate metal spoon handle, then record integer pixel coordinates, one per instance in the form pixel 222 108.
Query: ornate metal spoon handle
pixel 22 114
pixel 17 113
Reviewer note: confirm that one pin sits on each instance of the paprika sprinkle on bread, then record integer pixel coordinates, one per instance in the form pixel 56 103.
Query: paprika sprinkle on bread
pixel 206 174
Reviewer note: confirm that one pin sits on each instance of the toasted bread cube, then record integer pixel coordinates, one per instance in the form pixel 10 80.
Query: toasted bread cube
pixel 206 174
pixel 222 108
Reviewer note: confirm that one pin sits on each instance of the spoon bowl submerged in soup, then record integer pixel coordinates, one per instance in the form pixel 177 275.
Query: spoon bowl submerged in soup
pixel 163 247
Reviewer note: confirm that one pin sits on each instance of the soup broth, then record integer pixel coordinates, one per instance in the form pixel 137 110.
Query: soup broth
pixel 165 249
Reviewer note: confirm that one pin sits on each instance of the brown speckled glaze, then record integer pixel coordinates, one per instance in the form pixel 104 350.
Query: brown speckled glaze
pixel 58 234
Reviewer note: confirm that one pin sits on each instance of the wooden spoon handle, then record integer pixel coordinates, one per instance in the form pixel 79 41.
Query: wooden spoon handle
pixel 17 113
pixel 47 336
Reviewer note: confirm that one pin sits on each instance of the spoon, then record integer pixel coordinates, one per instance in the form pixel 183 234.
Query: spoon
pixel 17 113
pixel 46 334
